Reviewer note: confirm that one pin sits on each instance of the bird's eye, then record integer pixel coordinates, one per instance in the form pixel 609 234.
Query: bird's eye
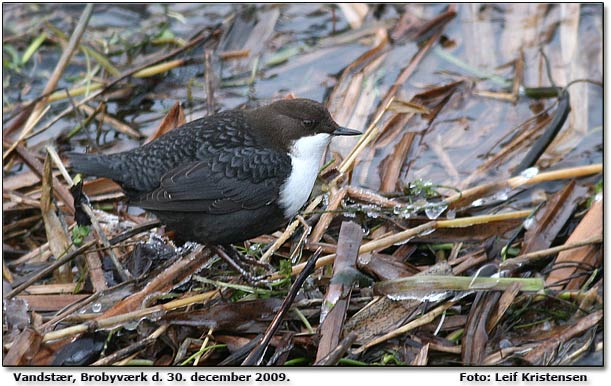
pixel 308 123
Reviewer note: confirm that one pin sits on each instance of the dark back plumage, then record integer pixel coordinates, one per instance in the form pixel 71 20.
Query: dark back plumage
pixel 216 179
pixel 141 169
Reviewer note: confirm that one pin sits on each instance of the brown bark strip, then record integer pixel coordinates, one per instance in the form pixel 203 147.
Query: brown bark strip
pixel 338 294
pixel 551 218
pixel 60 191
pixel 591 225
pixel 325 219
pixel 392 168
pixel 475 338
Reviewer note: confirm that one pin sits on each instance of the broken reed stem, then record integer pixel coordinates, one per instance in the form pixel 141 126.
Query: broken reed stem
pixel 60 165
pixel 288 232
pixel 45 271
pixel 38 111
pixel 117 124
pixel 158 68
pixel 475 220
pixel 74 92
pixel 428 283
pixel 579 171
pixel 534 256
pixel 469 195
pixel 255 356
pixel 366 138
pixel 203 347
pixel 127 317
pixel 129 351
pixel 325 219
pixel 125 275
pixel 195 41
pixel 406 235
pixel 337 298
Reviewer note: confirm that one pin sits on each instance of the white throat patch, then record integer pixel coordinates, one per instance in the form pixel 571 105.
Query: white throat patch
pixel 306 154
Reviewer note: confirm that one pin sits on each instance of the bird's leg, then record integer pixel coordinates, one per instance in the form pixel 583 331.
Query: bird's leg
pixel 249 260
pixel 224 252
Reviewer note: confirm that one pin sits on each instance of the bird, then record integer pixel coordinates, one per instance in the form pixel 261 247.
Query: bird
pixel 227 177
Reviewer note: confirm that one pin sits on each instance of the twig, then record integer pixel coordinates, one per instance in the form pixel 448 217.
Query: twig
pixel 59 190
pixel 127 317
pixel 56 75
pixel 45 271
pixel 256 355
pixel 123 273
pixel 132 349
pixel 288 232
pixel 325 219
pixel 194 42
pixel 334 356
pixel 469 195
pixel 430 283
pixel 159 68
pixel 201 350
pixel 532 257
pixel 425 319
pixel 408 234
pixel 372 132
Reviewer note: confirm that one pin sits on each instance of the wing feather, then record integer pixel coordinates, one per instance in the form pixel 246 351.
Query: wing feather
pixel 228 181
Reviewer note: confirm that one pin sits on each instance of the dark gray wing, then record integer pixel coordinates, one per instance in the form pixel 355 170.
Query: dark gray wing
pixel 228 180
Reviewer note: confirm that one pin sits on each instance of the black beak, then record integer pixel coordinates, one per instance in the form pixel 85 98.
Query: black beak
pixel 346 131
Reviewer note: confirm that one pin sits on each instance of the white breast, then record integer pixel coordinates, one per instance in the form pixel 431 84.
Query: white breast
pixel 306 154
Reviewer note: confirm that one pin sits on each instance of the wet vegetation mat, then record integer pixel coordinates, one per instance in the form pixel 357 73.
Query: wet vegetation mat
pixel 463 227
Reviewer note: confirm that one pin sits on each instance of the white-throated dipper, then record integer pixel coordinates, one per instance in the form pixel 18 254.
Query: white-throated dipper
pixel 227 177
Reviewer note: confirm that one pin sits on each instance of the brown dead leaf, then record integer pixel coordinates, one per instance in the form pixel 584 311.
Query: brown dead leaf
pixel 100 186
pixel 476 337
pixel 42 303
pixel 505 301
pixel 244 317
pixel 55 228
pixel 544 353
pixel 401 106
pixel 552 217
pixel 590 256
pixel 23 348
pixel 163 282
pixel 391 166
pixel 337 298
pixel 173 119
pixel 383 314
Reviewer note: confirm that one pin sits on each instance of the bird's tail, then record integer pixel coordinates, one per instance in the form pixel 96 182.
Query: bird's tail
pixel 98 165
